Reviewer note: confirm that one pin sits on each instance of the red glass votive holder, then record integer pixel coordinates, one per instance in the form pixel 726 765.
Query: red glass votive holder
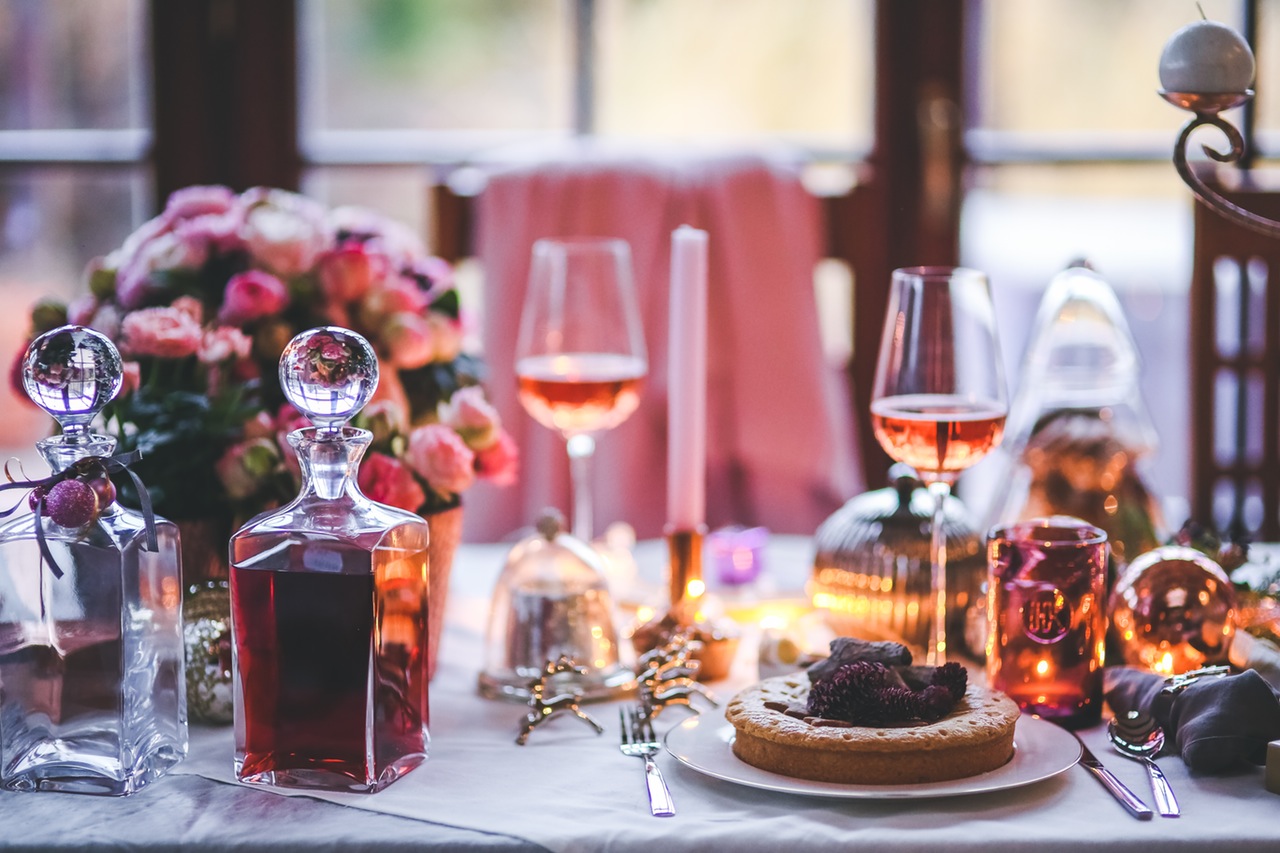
pixel 1047 595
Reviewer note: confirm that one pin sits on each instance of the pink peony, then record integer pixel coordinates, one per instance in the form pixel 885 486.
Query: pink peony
pixel 190 202
pixel 224 343
pixel 408 340
pixel 347 273
pixel 387 237
pixel 106 320
pixel 499 462
pixel 284 231
pixel 386 480
pixel 160 332
pixel 439 456
pixel 436 271
pixel 252 295
pixel 472 416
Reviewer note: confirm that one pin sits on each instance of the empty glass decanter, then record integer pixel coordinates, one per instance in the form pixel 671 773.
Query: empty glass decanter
pixel 329 601
pixel 92 693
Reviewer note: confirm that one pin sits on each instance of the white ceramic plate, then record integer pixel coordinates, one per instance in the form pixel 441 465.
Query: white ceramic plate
pixel 1040 750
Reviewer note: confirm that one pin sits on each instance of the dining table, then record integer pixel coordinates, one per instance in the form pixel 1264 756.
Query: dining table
pixel 570 788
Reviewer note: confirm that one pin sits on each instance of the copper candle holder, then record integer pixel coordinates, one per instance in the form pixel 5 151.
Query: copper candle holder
pixel 717 642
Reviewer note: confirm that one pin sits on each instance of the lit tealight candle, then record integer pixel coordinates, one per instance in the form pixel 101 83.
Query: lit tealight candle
pixel 1206 57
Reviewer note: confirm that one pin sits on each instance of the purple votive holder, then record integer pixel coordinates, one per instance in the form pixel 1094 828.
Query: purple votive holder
pixel 1047 617
pixel 737 553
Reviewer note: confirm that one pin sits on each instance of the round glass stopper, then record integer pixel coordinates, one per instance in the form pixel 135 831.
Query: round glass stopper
pixel 71 373
pixel 328 374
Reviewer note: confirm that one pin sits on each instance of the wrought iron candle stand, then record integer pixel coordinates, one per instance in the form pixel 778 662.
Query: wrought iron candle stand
pixel 1207 108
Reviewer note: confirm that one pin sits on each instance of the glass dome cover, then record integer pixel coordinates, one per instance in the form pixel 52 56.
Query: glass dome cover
pixel 550 600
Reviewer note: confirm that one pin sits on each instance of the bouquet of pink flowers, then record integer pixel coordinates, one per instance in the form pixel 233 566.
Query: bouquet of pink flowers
pixel 201 301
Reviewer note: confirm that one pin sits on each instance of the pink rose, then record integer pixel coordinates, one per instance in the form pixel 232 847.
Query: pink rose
pixel 136 282
pixel 106 320
pixel 160 332
pixel 244 466
pixel 252 295
pixel 190 202
pixel 81 310
pixel 446 336
pixel 347 273
pixel 284 231
pixel 408 340
pixel 499 462
pixel 472 417
pixel 383 418
pixel 217 231
pixel 439 456
pixel 224 343
pixel 392 239
pixel 190 306
pixel 386 480
pixel 131 377
pixel 261 425
pixel 437 273
pixel 392 296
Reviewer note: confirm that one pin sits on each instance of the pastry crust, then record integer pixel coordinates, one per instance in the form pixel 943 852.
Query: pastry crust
pixel 975 737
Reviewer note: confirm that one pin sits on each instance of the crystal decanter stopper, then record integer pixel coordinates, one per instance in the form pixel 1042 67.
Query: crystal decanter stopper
pixel 317 585
pixel 91 654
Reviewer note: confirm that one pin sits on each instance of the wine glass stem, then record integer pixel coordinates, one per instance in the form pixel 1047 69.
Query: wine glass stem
pixel 581 449
pixel 936 654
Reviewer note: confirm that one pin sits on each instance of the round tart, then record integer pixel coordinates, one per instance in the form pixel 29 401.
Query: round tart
pixel 975 737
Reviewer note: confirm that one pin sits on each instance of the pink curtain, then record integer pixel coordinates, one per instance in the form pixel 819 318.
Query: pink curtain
pixel 780 444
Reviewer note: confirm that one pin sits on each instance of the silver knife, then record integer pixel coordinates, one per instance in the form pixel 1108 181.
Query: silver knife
pixel 1126 798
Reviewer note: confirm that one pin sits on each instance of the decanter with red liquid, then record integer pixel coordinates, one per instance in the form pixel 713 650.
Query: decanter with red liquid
pixel 329 601
pixel 92 690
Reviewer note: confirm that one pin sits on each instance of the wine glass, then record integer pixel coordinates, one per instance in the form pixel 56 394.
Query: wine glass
pixel 580 357
pixel 939 401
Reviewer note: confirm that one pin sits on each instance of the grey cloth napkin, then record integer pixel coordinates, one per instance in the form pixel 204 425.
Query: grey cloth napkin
pixel 1216 724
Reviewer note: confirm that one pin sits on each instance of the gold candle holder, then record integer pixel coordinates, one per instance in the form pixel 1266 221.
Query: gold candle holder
pixel 718 641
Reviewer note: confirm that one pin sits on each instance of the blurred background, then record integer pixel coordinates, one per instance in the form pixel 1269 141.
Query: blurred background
pixel 1009 135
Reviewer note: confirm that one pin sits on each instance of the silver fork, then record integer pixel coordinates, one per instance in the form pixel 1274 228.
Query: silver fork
pixel 638 739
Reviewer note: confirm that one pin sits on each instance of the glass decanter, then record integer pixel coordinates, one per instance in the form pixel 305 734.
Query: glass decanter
pixel 92 691
pixel 329 601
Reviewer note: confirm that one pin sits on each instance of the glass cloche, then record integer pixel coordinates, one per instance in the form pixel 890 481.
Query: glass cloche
pixel 551 600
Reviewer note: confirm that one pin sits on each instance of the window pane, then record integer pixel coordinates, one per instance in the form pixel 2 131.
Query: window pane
pixel 53 221
pixel 1081 65
pixel 72 64
pixel 399 192
pixel 435 64
pixel 681 68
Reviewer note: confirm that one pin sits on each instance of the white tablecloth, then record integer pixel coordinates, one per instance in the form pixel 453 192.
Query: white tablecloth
pixel 569 789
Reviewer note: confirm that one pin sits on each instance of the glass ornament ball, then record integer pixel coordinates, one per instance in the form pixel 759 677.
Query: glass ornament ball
pixel 1173 610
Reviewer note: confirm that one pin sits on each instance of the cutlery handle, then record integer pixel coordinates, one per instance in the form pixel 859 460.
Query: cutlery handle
pixel 1166 802
pixel 1127 798
pixel 660 804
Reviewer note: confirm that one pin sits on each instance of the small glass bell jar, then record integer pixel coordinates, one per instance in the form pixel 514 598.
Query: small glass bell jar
pixel 1078 427
pixel 551 600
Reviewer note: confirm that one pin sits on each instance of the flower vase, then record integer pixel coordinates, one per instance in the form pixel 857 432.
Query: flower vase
pixel 206 611
pixel 446 535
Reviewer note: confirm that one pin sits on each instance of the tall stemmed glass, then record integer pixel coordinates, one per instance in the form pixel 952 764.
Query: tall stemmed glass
pixel 580 357
pixel 939 401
